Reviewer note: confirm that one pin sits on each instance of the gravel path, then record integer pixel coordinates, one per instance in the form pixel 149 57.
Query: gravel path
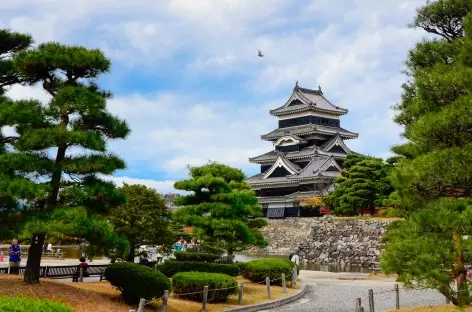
pixel 341 298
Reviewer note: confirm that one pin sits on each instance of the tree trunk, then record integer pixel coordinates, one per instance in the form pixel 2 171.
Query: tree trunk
pixel 34 259
pixel 230 252
pixel 460 272
pixel 131 254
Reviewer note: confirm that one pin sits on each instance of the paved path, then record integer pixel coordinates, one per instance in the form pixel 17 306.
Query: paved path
pixel 337 292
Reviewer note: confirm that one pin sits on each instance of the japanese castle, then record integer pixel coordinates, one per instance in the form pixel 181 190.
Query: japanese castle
pixel 309 150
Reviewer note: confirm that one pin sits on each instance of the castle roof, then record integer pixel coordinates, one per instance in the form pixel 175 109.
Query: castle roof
pixel 307 152
pixel 303 99
pixel 309 129
pixel 319 167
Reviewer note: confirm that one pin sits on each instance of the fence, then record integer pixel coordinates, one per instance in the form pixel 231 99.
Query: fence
pixel 371 302
pixel 205 291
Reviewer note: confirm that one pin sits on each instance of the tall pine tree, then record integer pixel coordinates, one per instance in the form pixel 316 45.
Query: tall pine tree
pixel 428 250
pixel 62 145
pixel 222 207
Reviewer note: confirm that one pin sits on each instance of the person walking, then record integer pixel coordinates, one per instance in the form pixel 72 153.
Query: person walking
pixel 295 259
pixel 15 257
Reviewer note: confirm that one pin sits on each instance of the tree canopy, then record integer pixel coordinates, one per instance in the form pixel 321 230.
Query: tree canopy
pixel 222 207
pixel 433 170
pixel 60 147
pixel 143 219
pixel 364 183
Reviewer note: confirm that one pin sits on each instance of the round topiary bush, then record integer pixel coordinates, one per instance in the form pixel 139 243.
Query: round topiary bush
pixel 257 270
pixel 170 267
pixel 137 281
pixel 195 256
pixel 23 304
pixel 220 286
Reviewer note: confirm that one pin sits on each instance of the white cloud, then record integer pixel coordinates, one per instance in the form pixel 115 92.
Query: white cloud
pixel 353 49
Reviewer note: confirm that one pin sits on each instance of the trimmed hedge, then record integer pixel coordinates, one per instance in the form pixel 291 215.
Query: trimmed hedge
pixel 170 267
pixel 23 304
pixel 195 256
pixel 242 267
pixel 137 281
pixel 257 270
pixel 193 282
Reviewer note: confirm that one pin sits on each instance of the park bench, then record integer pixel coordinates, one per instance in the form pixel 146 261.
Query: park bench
pixel 70 271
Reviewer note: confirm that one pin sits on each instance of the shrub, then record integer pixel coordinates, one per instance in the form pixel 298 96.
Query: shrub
pixel 137 281
pixel 23 304
pixel 195 256
pixel 193 282
pixel 169 267
pixel 257 270
pixel 242 267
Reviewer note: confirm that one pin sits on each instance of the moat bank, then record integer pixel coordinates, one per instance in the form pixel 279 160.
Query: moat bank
pixel 339 241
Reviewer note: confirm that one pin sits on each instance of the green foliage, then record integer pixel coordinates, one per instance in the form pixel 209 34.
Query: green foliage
pixel 257 270
pixel 137 281
pixel 53 182
pixel 422 250
pixel 242 267
pixel 23 304
pixel 142 219
pixel 222 207
pixel 364 183
pixel 192 282
pixel 428 248
pixel 195 256
pixel 170 267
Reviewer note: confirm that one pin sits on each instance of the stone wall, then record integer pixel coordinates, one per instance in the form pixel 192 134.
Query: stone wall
pixel 331 240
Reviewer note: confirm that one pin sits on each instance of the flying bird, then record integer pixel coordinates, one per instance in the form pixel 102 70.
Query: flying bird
pixel 260 54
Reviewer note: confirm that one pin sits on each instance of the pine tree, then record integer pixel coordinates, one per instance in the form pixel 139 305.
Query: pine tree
pixel 364 183
pixel 73 195
pixel 142 219
pixel 222 207
pixel 434 171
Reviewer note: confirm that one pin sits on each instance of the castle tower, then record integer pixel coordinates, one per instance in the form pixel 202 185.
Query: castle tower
pixel 309 149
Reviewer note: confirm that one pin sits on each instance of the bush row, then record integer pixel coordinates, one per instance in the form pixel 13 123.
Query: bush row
pixel 192 283
pixel 257 270
pixel 169 267
pixel 196 256
pixel 136 281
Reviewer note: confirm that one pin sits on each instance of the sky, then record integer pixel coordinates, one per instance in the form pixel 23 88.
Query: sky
pixel 186 76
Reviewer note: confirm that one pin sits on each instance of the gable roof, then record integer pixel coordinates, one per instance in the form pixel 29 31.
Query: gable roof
pixel 336 140
pixel 308 99
pixel 282 162
pixel 292 137
pixel 316 169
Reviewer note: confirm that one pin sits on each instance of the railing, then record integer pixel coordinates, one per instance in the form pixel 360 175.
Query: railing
pixel 205 292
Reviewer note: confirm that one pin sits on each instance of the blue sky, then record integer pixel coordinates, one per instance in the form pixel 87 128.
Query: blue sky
pixel 187 78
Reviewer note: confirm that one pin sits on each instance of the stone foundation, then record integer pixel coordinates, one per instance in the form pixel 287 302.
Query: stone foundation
pixel 330 240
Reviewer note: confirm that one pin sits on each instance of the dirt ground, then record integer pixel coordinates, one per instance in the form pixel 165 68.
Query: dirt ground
pixel 102 297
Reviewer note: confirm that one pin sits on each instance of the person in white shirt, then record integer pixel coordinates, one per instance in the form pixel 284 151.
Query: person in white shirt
pixel 296 259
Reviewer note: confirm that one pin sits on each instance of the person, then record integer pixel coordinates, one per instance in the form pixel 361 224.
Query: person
pixel 178 245
pixel 49 248
pixel 296 259
pixel 84 265
pixel 59 254
pixel 184 246
pixel 15 257
pixel 144 260
pixel 291 255
pixel 159 256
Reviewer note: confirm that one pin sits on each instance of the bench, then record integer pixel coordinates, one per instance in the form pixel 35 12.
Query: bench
pixel 72 271
pixel 68 271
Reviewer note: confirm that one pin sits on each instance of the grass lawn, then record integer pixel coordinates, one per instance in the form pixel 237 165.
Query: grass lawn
pixel 102 297
pixel 441 308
